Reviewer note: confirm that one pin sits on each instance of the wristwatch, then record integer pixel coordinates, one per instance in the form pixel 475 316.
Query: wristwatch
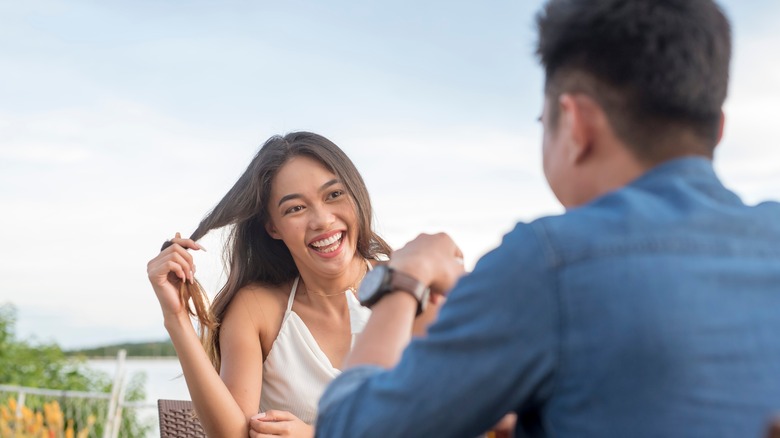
pixel 383 280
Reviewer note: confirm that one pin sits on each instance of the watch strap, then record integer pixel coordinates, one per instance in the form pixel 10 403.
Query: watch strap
pixel 384 280
pixel 400 281
pixel 405 282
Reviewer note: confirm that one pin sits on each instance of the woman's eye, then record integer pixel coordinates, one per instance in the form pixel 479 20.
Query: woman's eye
pixel 295 209
pixel 336 194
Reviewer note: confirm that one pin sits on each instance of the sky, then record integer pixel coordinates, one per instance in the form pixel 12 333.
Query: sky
pixel 122 123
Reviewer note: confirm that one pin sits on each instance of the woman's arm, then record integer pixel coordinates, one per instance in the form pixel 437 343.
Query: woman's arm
pixel 222 407
pixel 240 347
pixel 218 409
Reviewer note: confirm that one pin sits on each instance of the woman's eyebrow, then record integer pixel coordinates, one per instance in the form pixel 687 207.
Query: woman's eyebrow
pixel 286 198
pixel 330 183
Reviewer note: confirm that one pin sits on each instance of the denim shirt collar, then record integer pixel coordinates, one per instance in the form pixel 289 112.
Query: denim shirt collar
pixel 696 167
pixel 693 171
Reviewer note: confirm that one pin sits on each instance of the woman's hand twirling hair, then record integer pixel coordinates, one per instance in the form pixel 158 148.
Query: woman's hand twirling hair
pixel 194 299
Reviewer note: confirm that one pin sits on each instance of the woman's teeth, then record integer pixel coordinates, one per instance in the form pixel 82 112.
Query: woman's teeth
pixel 324 245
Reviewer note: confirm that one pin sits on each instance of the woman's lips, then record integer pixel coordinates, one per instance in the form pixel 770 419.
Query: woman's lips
pixel 328 244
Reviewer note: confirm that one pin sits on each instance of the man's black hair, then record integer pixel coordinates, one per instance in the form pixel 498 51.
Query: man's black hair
pixel 657 67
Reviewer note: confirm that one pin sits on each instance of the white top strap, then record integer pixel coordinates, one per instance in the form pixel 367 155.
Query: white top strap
pixel 292 295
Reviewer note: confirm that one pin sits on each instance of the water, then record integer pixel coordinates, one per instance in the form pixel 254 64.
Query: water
pixel 163 380
pixel 163 376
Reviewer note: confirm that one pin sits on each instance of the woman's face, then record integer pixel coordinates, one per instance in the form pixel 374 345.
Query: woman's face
pixel 313 214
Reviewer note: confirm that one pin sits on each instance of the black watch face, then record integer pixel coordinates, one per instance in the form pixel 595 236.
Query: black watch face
pixel 371 283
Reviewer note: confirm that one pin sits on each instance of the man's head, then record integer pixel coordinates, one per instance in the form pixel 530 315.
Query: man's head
pixel 656 69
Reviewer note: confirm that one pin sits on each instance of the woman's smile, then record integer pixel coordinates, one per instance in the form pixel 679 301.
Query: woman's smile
pixel 328 245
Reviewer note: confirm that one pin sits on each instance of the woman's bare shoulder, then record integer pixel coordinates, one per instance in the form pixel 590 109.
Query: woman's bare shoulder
pixel 261 307
pixel 262 304
pixel 261 296
pixel 264 291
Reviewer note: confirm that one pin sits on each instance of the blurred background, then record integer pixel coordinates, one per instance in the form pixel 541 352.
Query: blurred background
pixel 124 122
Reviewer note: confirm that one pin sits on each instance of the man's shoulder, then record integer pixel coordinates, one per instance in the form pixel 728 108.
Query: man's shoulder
pixel 574 231
pixel 636 217
pixel 599 216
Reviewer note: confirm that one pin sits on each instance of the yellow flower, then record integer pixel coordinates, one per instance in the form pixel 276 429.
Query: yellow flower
pixel 27 414
pixel 5 429
pixel 38 421
pixel 69 430
pixel 48 422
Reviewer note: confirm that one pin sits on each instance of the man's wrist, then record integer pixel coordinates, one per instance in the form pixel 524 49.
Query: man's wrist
pixel 398 302
pixel 414 270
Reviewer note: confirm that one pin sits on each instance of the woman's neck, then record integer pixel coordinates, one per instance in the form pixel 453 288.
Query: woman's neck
pixel 328 289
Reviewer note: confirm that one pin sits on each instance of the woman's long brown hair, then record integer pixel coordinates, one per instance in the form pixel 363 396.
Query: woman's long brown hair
pixel 251 255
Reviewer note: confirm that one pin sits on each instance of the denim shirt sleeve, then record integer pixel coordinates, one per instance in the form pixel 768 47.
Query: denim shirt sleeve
pixel 345 384
pixel 492 350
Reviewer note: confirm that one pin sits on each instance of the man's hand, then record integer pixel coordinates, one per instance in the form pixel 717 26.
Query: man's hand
pixel 433 259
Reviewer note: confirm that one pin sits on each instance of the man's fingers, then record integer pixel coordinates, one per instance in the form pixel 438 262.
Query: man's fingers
pixel 437 299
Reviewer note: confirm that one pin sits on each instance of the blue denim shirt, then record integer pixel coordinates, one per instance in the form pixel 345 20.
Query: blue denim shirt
pixel 652 311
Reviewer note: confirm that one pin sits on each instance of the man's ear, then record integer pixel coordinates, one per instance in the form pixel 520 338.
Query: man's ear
pixel 722 124
pixel 577 123
pixel 271 230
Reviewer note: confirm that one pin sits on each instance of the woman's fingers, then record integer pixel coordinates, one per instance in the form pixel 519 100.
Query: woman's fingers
pixel 273 415
pixel 178 253
pixel 169 269
pixel 275 423
pixel 186 243
pixel 174 262
pixel 179 247
pixel 176 269
pixel 272 427
pixel 183 257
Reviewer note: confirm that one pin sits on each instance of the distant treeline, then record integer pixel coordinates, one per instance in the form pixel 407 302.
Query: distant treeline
pixel 135 349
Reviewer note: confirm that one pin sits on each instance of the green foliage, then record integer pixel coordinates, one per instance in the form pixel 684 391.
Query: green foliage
pixel 47 366
pixel 44 366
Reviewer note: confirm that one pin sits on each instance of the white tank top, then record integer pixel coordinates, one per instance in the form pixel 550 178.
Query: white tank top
pixel 296 371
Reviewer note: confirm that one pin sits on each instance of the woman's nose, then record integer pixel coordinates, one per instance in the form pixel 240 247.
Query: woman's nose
pixel 322 218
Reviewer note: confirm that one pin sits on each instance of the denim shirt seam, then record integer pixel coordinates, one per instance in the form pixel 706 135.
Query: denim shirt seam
pixel 545 243
pixel 553 271
pixel 647 246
